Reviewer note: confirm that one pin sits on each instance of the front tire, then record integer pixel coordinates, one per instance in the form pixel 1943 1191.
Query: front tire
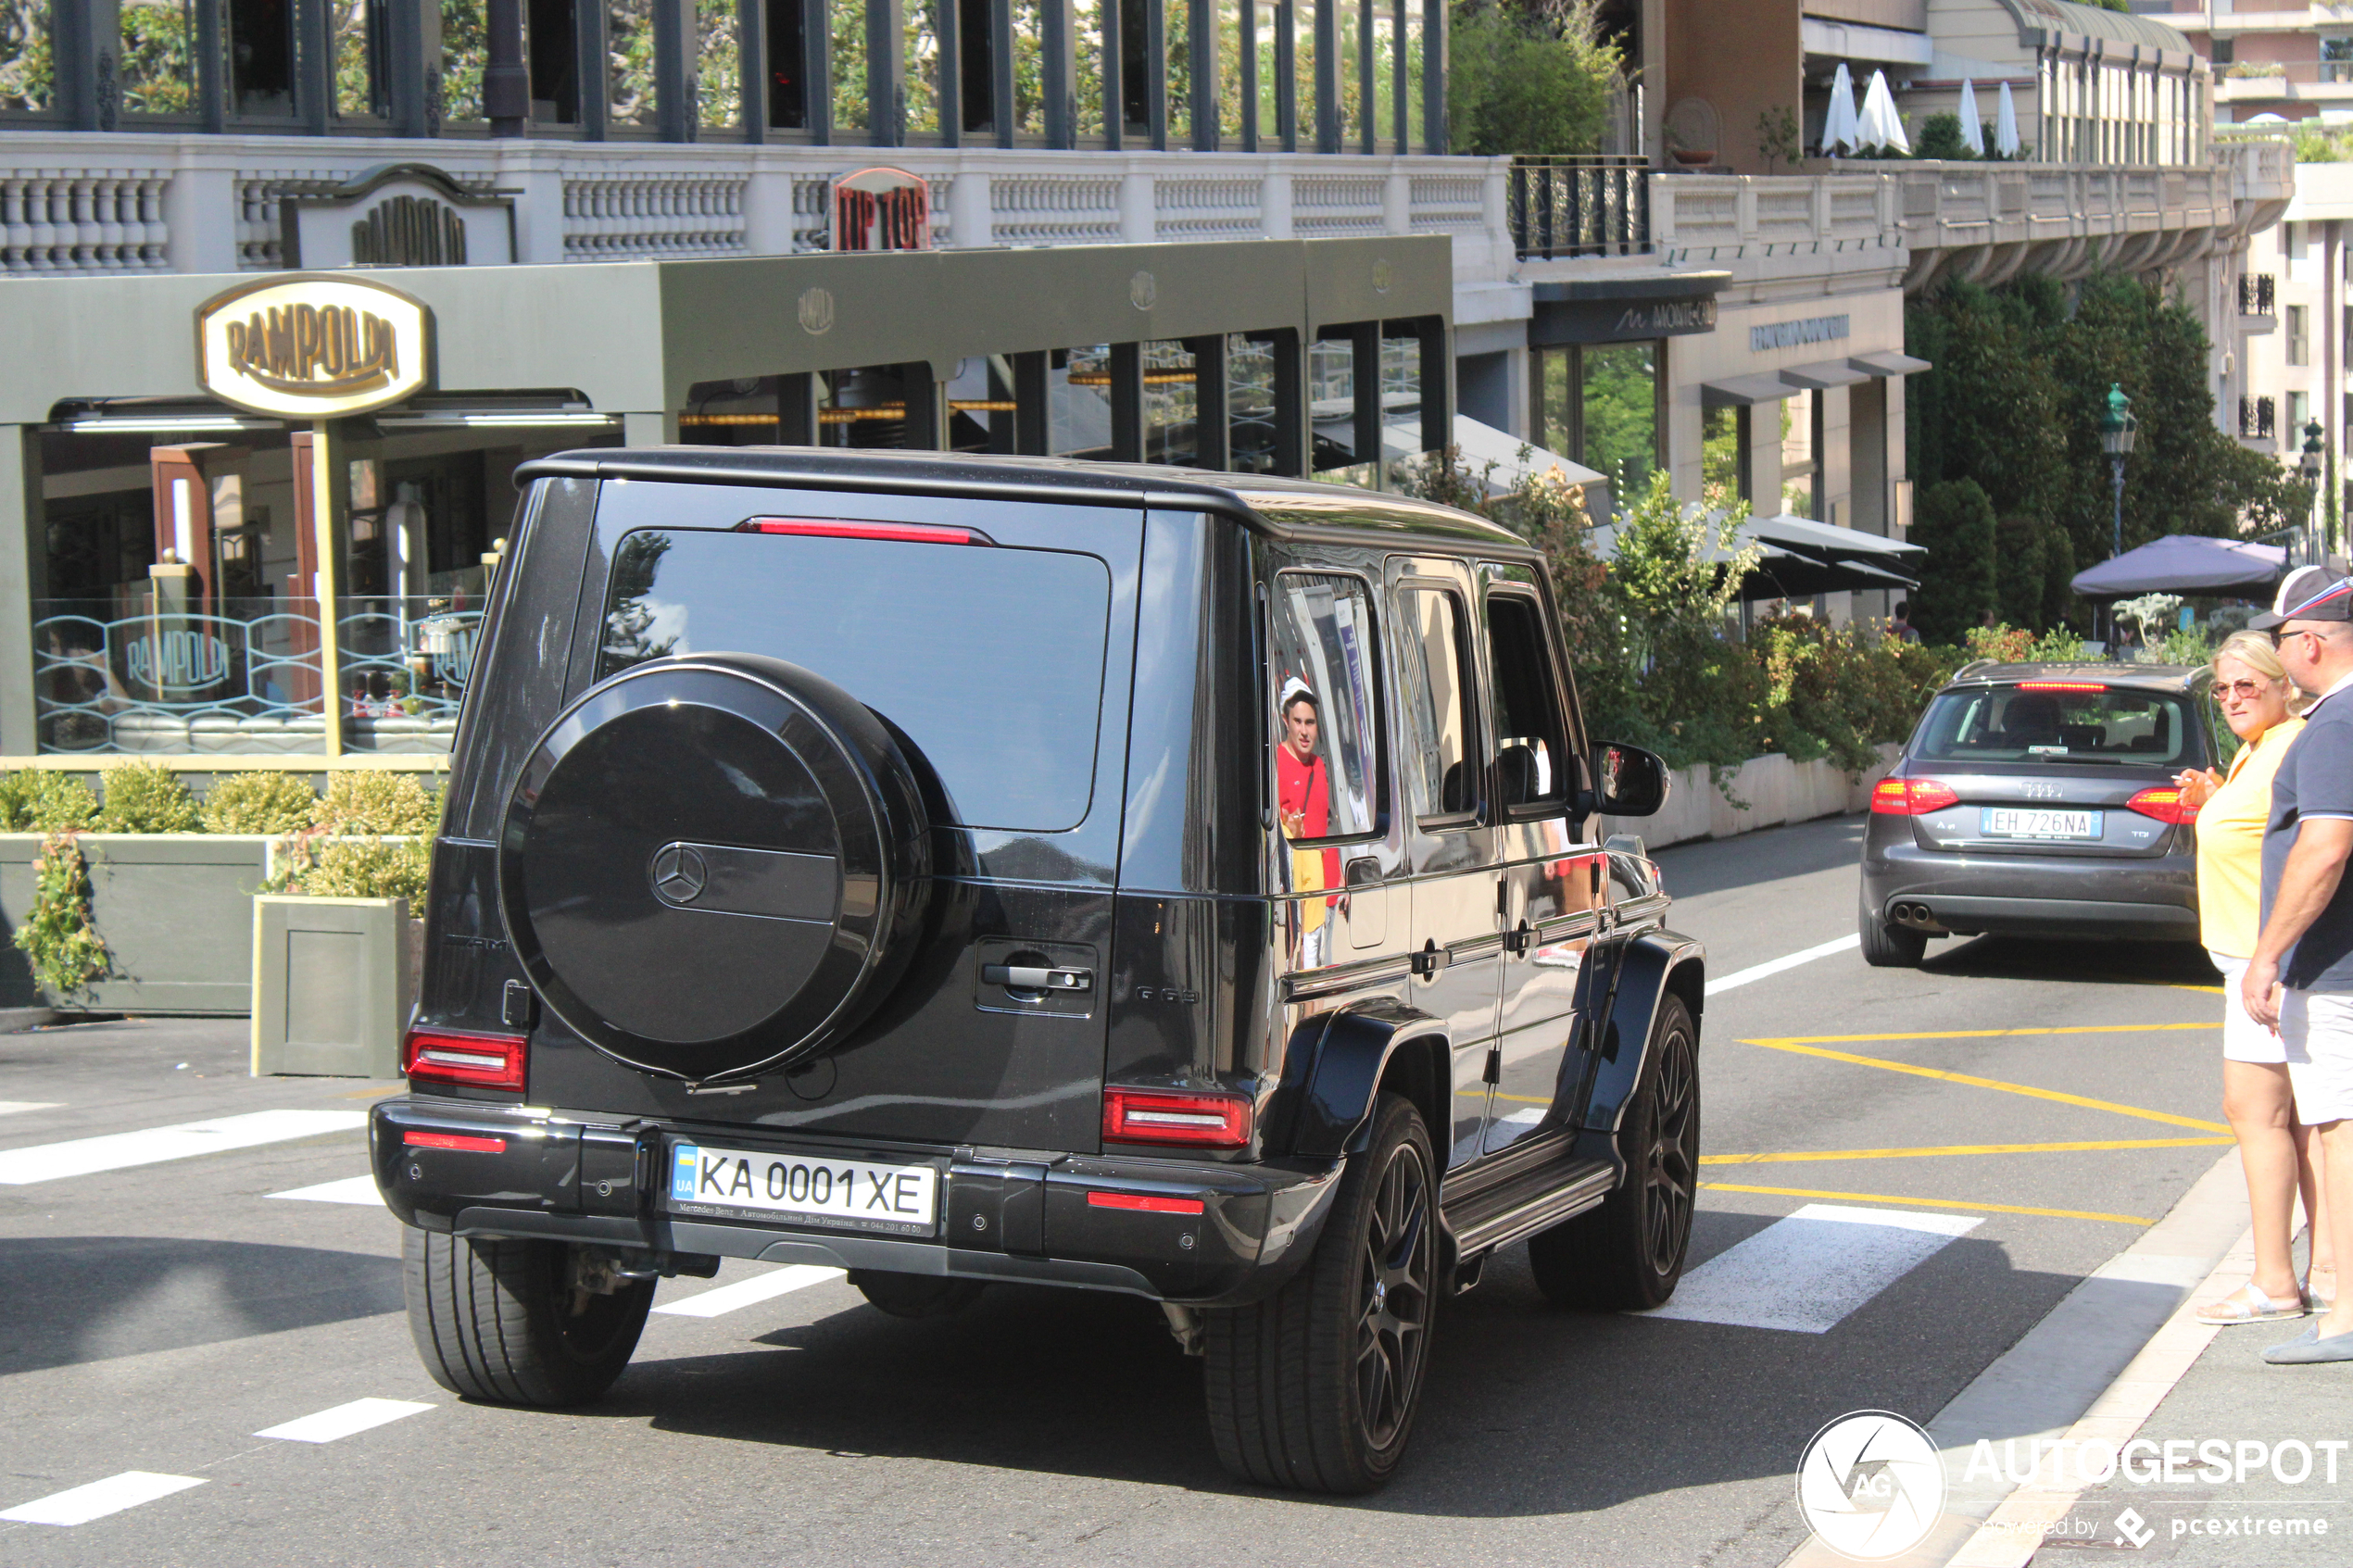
pixel 1886 945
pixel 1316 1387
pixel 1628 1254
pixel 501 1321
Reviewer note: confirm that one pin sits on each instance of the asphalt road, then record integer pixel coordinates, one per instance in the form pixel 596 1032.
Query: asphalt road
pixel 157 1318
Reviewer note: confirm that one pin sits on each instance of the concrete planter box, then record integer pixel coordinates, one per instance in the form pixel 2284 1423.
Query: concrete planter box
pixel 332 983
pixel 1772 791
pixel 175 909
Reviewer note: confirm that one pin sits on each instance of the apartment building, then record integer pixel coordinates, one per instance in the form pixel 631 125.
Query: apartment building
pixel 2271 59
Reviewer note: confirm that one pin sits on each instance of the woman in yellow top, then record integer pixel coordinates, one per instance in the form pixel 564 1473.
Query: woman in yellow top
pixel 2277 1153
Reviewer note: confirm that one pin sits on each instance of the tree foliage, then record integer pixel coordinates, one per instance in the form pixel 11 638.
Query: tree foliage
pixel 1529 76
pixel 1954 522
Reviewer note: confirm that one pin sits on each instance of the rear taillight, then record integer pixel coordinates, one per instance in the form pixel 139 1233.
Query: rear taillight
pixel 1911 798
pixel 482 1062
pixel 2165 803
pixel 1194 1121
pixel 825 528
pixel 2062 686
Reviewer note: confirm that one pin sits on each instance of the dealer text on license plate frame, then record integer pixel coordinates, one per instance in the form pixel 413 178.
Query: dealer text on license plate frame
pixel 2032 823
pixel 802 1189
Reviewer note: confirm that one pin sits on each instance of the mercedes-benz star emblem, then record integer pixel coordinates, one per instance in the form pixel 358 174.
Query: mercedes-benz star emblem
pixel 679 874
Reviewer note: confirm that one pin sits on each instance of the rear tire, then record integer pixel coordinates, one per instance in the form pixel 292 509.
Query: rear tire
pixel 1886 945
pixel 499 1320
pixel 1628 1254
pixel 915 1296
pixel 1316 1387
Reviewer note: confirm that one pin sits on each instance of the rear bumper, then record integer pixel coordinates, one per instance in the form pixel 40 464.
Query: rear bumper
pixel 2155 898
pixel 571 1177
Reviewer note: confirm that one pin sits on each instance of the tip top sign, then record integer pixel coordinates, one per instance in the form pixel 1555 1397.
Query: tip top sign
pixel 313 347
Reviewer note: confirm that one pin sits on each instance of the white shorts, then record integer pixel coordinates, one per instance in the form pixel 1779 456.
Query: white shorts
pixel 2317 1028
pixel 2242 1039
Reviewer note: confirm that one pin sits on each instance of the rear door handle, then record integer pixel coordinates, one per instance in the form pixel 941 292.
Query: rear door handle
pixel 1430 959
pixel 1021 977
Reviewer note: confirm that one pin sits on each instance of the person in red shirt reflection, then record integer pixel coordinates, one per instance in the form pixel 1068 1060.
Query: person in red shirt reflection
pixel 1303 807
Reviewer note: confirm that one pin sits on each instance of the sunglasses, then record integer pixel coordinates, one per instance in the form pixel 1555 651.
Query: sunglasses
pixel 2280 635
pixel 2245 690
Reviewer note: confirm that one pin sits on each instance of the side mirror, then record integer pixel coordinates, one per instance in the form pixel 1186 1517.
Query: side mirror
pixel 1631 781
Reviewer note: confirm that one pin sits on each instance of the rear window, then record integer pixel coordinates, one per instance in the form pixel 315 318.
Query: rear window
pixel 2060 721
pixel 990 659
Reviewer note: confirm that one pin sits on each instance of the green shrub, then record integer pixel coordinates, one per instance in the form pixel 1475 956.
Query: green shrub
pixel 371 802
pixel 368 868
pixel 264 801
pixel 147 797
pixel 65 949
pixel 1940 138
pixel 40 802
pixel 1954 524
pixel 1528 79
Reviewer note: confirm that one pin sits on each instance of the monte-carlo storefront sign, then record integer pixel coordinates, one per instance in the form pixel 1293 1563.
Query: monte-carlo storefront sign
pixel 313 347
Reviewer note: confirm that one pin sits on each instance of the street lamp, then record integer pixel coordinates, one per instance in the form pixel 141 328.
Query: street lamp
pixel 2310 463
pixel 2118 429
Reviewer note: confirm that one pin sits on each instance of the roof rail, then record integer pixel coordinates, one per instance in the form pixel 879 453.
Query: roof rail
pixel 1964 673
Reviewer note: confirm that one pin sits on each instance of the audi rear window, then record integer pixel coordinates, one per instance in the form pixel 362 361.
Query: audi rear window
pixel 2057 722
pixel 989 660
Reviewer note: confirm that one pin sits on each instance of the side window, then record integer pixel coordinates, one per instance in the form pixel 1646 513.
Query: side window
pixel 1531 756
pixel 1327 773
pixel 1437 689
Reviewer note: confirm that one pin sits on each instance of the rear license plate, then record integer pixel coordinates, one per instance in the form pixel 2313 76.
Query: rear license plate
pixel 2006 822
pixel 736 1184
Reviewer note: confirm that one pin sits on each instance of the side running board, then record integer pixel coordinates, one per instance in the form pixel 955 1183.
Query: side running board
pixel 1535 1201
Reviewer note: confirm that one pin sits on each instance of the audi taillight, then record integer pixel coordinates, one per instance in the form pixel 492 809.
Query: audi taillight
pixel 2165 803
pixel 1911 798
pixel 482 1061
pixel 1162 1116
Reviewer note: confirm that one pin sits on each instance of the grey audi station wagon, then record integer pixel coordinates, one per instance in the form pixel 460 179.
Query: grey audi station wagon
pixel 963 871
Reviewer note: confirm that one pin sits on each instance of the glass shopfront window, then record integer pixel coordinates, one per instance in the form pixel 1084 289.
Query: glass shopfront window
pixel 1597 404
pixel 177 605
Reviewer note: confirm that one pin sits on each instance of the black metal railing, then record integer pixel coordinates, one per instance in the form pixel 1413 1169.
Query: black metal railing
pixel 2256 292
pixel 2255 416
pixel 1597 206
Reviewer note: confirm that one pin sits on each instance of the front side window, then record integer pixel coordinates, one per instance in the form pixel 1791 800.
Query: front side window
pixel 1435 682
pixel 1327 735
pixel 1531 754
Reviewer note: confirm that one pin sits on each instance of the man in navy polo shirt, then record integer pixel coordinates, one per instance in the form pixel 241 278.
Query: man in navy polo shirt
pixel 2301 980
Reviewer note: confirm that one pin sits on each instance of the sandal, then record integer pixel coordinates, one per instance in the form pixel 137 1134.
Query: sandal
pixel 2249 1304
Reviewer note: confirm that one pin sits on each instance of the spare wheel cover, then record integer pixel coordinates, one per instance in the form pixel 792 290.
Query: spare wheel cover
pixel 711 865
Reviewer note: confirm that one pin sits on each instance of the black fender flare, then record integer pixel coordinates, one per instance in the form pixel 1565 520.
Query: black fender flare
pixel 1654 963
pixel 1332 1071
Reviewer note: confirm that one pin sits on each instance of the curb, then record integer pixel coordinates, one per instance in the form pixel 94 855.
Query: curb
pixel 2113 1342
pixel 16 1021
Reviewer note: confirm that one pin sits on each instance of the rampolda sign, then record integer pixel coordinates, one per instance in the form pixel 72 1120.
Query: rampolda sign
pixel 313 347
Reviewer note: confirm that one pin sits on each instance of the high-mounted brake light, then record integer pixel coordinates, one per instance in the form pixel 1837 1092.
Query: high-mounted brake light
pixel 457 1141
pixel 482 1061
pixel 2164 802
pixel 1147 1204
pixel 900 533
pixel 1911 798
pixel 1192 1120
pixel 2062 686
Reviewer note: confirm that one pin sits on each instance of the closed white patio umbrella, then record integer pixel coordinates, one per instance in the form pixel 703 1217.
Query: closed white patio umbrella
pixel 1972 129
pixel 2006 125
pixel 1838 126
pixel 1880 126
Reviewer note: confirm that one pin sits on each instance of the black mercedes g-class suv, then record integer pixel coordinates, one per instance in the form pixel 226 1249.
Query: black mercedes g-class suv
pixel 957 871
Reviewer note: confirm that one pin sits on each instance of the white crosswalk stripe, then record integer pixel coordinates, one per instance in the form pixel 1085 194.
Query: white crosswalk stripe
pixel 100 1497
pixel 350 1189
pixel 1808 1272
pixel 749 1292
pixel 359 1415
pixel 1775 966
pixel 117 1151
pixel 16 1107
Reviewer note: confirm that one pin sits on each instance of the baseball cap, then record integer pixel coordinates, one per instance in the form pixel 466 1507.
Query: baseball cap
pixel 2309 592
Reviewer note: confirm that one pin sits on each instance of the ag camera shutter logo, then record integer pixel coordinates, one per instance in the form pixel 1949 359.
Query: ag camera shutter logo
pixel 1871 1485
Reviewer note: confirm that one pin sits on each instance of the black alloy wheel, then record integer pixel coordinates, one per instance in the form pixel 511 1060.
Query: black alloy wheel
pixel 1316 1386
pixel 1628 1254
pixel 1886 945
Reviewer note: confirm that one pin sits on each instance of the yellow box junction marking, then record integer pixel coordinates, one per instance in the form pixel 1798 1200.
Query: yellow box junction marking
pixel 1929 1203
pixel 1800 1156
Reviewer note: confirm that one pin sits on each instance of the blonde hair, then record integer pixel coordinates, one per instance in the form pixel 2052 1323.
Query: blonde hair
pixel 2254 649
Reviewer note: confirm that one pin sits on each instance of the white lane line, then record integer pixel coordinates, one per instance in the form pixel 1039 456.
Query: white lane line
pixel 116 1151
pixel 1807 1272
pixel 749 1292
pixel 351 1189
pixel 342 1420
pixel 11 1107
pixel 100 1497
pixel 1775 966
